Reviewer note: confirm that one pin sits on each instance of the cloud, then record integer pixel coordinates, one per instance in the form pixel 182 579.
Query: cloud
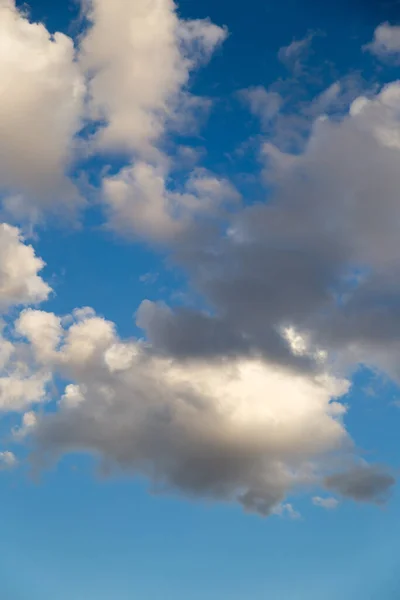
pixel 28 423
pixel 42 329
pixel 243 399
pixel 386 41
pixel 366 483
pixel 23 388
pixel 139 202
pixel 127 80
pixel 242 430
pixel 20 282
pixel 328 503
pixel 139 57
pixel 42 93
pixel 7 461
pixel 293 55
pixel 21 382
pixel 321 255
pixel 263 104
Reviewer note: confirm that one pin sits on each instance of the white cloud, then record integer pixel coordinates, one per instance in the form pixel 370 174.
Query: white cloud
pixel 28 423
pixel 19 268
pixel 22 389
pixel 7 460
pixel 139 203
pixel 329 503
pixel 386 41
pixel 139 57
pixel 21 382
pixel 42 95
pixel 72 397
pixel 42 329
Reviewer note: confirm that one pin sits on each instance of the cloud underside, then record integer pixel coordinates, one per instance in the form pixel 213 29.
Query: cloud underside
pixel 243 400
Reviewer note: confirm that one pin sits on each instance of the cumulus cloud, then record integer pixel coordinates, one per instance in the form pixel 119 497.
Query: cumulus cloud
pixel 42 92
pixel 241 430
pixel 321 255
pixel 139 57
pixel 42 329
pixel 140 204
pixel 386 41
pixel 365 483
pixel 20 282
pixel 22 388
pixel 21 382
pixel 127 79
pixel 242 400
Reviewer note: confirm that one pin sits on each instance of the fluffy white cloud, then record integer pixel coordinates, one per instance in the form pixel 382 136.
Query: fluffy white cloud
pixel 135 58
pixel 139 57
pixel 42 329
pixel 21 382
pixel 386 42
pixel 139 203
pixel 42 94
pixel 19 268
pixel 22 388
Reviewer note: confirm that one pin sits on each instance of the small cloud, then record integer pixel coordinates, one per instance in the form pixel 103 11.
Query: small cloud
pixel 149 278
pixel 287 510
pixel 262 103
pixel 293 55
pixel 29 421
pixel 8 461
pixel 328 503
pixel 364 483
pixel 386 42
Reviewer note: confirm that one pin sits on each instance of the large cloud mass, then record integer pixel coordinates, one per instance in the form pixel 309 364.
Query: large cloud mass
pixel 237 430
pixel 322 255
pixel 243 400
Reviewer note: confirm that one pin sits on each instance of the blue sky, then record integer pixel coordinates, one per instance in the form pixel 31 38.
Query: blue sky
pixel 209 178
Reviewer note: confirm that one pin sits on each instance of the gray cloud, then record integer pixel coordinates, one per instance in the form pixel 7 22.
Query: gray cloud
pixel 369 483
pixel 239 430
pixel 320 255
